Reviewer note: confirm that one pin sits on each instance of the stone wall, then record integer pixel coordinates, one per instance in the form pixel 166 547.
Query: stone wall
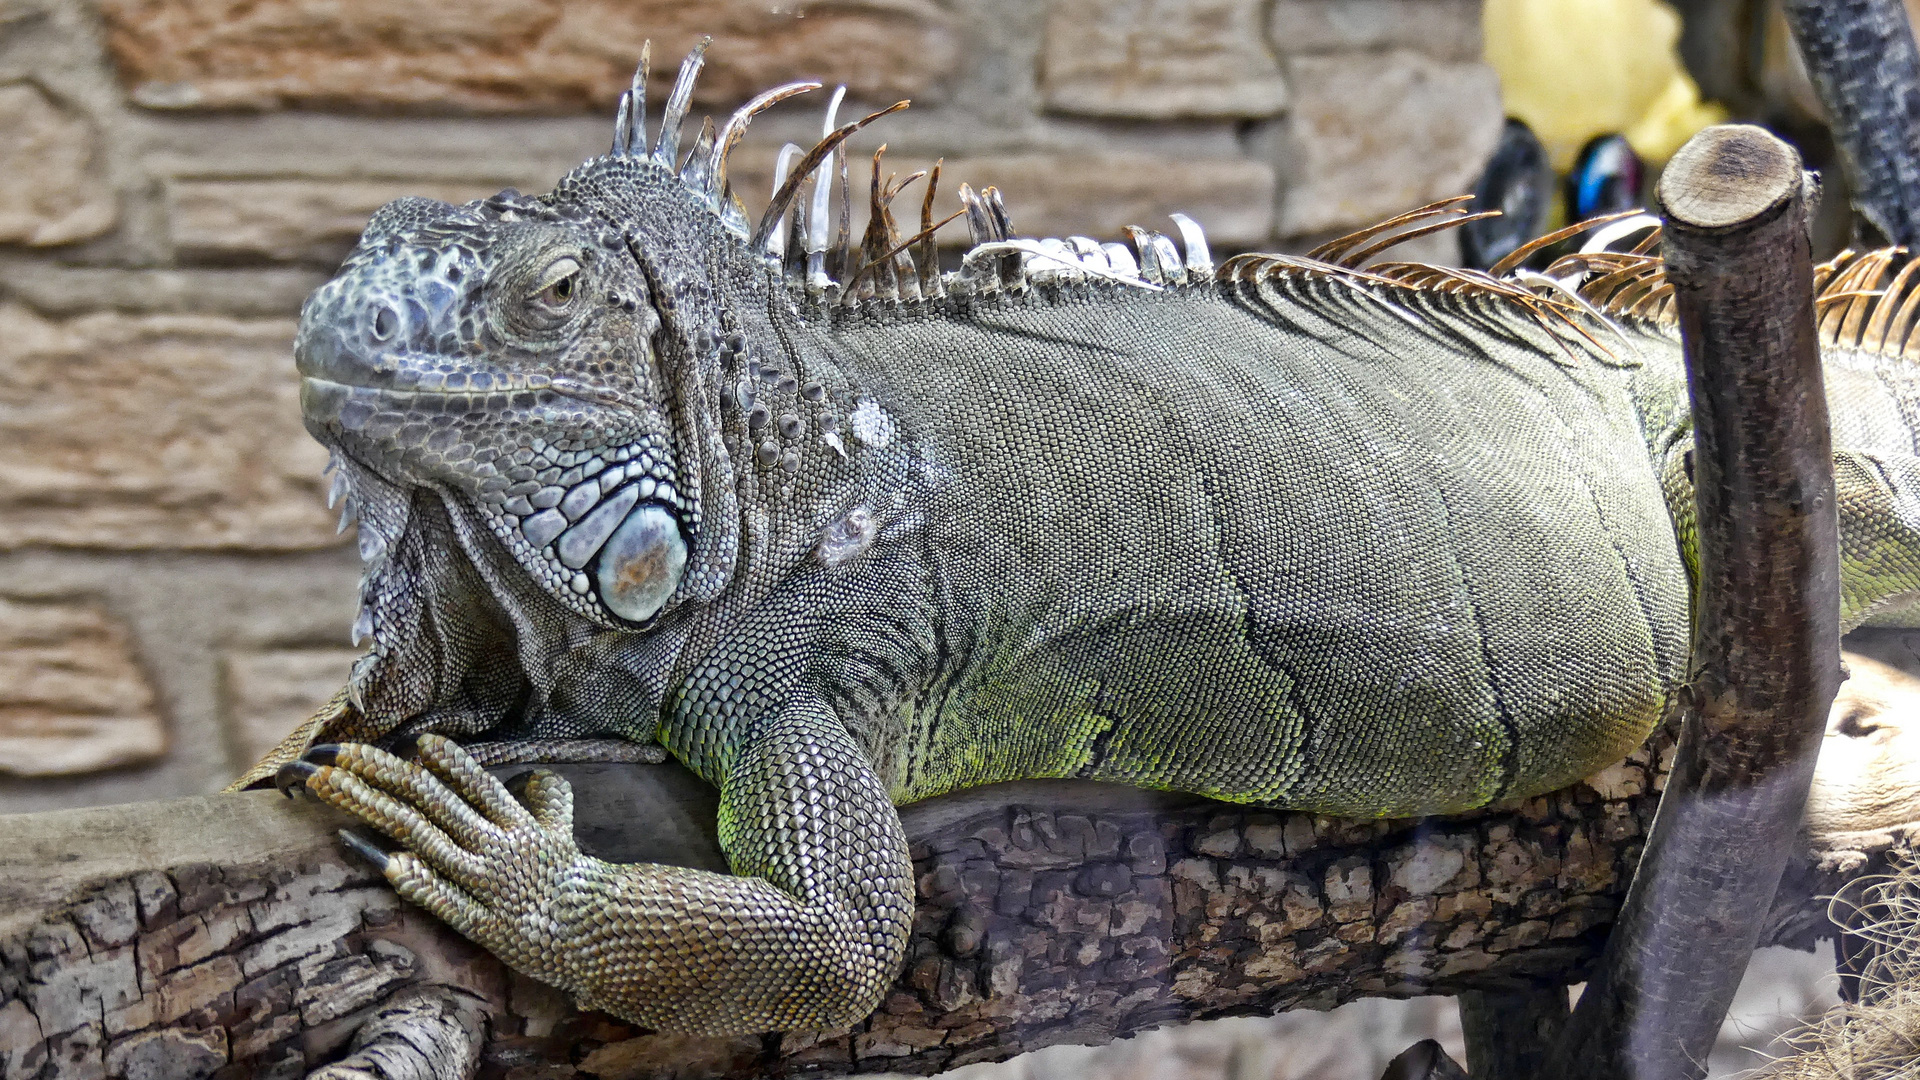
pixel 178 174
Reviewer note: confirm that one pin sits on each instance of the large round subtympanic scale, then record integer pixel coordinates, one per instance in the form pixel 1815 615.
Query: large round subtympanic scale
pixel 641 564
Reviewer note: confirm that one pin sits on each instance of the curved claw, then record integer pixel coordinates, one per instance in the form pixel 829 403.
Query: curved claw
pixel 292 777
pixel 364 848
pixel 406 746
pixel 516 784
pixel 322 754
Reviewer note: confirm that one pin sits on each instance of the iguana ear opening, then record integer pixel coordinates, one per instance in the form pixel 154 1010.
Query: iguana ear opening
pixel 688 355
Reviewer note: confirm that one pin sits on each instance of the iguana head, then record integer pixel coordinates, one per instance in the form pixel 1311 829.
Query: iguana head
pixel 504 353
pixel 522 395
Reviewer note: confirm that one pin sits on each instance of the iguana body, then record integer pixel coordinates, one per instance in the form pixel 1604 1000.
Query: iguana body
pixel 1369 543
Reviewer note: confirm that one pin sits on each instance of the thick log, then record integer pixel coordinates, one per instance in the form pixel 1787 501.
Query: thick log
pixel 1766 649
pixel 232 936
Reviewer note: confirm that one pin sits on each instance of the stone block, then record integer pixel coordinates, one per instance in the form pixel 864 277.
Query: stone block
pixel 1373 134
pixel 1442 29
pixel 510 56
pixel 1159 59
pixel 72 698
pixel 268 693
pixel 155 431
pixel 50 189
pixel 313 221
pixel 249 292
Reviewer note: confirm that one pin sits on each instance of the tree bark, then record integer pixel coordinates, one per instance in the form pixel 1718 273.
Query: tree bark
pixel 1865 67
pixel 231 935
pixel 1766 650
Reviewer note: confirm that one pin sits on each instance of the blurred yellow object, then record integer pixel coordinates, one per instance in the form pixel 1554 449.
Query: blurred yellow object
pixel 1574 69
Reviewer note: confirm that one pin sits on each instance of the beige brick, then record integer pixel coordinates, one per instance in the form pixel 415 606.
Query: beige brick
pixel 1055 194
pixel 155 431
pixel 50 191
pixel 1443 29
pixel 496 56
pixel 270 691
pixel 1159 59
pixel 72 698
pixel 1372 134
pixel 288 220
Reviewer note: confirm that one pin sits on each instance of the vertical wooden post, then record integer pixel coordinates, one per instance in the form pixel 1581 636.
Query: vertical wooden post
pixel 1766 652
pixel 1511 1035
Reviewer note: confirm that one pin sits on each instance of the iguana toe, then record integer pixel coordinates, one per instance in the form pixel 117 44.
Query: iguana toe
pixel 364 848
pixel 464 775
pixel 415 786
pixel 418 883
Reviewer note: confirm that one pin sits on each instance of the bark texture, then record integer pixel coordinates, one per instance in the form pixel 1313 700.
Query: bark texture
pixel 231 936
pixel 1766 650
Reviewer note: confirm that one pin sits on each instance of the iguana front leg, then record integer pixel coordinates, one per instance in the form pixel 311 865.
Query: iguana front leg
pixel 806 934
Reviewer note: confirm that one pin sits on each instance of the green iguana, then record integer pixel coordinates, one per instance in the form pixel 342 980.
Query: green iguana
pixel 841 532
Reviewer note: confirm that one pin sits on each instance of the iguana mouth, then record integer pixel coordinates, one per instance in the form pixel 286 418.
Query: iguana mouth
pixel 407 380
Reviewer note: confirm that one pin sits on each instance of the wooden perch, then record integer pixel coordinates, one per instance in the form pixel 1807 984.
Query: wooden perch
pixel 1766 648
pixel 231 935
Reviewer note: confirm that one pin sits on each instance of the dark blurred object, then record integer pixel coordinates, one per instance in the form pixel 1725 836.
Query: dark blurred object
pixel 1518 182
pixel 1865 67
pixel 1607 177
pixel 1742 55
pixel 1424 1060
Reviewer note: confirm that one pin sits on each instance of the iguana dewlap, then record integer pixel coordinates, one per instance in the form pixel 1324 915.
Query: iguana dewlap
pixel 841 532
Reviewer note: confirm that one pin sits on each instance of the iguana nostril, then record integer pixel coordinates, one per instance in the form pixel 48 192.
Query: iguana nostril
pixel 385 324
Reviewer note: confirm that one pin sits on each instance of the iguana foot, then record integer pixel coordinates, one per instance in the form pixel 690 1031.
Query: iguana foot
pixel 806 933
pixel 489 865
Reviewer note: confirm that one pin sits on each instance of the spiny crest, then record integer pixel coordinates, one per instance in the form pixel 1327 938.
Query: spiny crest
pixel 1856 311
pixel 704 168
pixel 1854 303
pixel 797 232
pixel 806 232
pixel 1343 261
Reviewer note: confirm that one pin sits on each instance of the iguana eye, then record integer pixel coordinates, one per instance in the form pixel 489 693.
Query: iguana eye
pixel 561 285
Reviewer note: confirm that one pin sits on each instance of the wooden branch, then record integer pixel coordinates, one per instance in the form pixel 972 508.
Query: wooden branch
pixel 1512 1035
pixel 1766 650
pixel 1862 60
pixel 422 1032
pixel 233 932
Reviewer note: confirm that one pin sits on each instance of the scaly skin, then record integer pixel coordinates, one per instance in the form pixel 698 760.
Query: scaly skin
pixel 1300 538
